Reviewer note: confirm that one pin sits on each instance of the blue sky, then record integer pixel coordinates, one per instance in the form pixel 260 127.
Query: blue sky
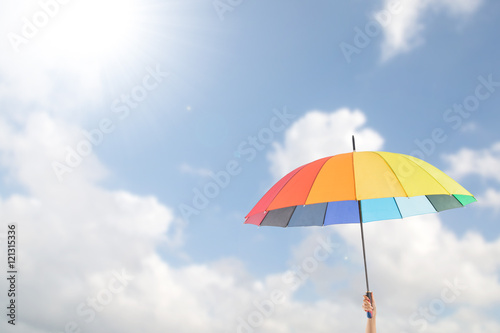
pixel 114 114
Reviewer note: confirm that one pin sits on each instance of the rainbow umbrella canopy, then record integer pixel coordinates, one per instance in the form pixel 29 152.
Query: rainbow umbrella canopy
pixel 358 187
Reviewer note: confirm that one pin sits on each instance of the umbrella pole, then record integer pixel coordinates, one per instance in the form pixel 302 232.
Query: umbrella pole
pixel 361 224
pixel 363 243
pixel 368 292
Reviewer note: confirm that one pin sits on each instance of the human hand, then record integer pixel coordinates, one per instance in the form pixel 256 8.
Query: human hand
pixel 367 306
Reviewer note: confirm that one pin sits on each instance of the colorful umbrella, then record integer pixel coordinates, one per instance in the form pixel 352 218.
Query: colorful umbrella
pixel 358 187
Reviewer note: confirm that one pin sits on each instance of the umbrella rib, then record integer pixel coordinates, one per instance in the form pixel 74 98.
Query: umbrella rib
pixel 324 214
pixel 427 197
pixel 354 180
pixel 296 174
pixel 395 175
pixel 314 180
pixel 286 225
pixel 397 206
pixel 281 189
pixel 427 172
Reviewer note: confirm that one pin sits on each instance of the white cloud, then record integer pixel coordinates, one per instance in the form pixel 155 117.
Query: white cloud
pixel 490 199
pixel 44 140
pixel 483 162
pixel 411 265
pixel 403 249
pixel 319 134
pixel 75 234
pixel 191 170
pixel 405 30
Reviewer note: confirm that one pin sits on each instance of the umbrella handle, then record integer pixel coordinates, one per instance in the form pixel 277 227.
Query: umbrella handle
pixel 369 313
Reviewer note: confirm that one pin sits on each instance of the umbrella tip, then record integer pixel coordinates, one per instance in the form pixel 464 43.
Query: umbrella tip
pixel 353 144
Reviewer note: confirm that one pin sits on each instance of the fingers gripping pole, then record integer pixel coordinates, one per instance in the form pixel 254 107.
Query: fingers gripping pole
pixel 369 314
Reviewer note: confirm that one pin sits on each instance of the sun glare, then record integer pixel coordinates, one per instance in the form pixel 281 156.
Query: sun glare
pixel 93 30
